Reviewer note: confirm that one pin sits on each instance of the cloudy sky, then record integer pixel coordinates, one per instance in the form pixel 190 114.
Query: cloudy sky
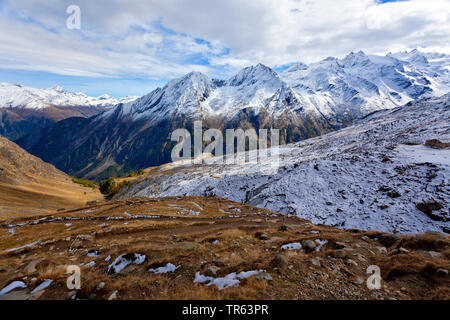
pixel 129 47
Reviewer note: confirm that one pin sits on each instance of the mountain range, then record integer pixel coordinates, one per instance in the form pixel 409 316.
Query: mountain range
pixel 302 101
pixel 25 109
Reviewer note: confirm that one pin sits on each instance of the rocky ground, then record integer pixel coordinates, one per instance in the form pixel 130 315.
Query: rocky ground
pixel 211 248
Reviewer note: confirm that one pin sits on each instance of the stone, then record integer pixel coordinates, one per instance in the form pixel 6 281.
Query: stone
pixel 388 239
pixel 351 262
pixel 359 281
pixel 429 206
pixel 382 250
pixel 309 245
pixel 393 194
pixel 264 276
pixel 70 294
pixel 186 245
pixel 403 250
pixel 340 253
pixel 316 261
pixel 113 295
pixel 31 267
pixel 279 261
pixel 442 272
pixel 261 236
pixel 340 245
pixel 361 257
pixel 211 271
pixel 436 255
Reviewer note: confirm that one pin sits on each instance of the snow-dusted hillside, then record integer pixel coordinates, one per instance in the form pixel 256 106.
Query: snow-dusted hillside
pixel 17 96
pixel 371 175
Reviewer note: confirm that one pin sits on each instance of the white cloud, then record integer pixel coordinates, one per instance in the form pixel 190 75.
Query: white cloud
pixel 159 39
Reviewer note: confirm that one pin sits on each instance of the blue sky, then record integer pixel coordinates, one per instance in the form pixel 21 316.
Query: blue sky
pixel 131 47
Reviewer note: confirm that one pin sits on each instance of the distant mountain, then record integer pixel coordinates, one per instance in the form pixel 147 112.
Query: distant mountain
pixel 302 101
pixel 361 83
pixel 24 109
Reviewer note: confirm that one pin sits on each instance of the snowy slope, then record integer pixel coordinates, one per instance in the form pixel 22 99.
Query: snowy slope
pixel 179 96
pixel 367 176
pixel 17 96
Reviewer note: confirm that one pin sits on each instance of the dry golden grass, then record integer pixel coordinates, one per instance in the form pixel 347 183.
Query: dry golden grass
pixel 211 240
pixel 43 196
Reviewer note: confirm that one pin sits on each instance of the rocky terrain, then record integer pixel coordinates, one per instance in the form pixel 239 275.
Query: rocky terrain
pixel 204 247
pixel 389 172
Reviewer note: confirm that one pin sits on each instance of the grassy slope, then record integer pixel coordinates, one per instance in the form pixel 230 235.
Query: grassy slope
pixel 176 234
pixel 43 196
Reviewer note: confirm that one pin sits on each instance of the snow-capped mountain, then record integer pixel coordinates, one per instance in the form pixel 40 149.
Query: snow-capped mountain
pixel 365 83
pixel 18 96
pixel 355 85
pixel 24 109
pixel 179 96
pixel 378 174
pixel 302 101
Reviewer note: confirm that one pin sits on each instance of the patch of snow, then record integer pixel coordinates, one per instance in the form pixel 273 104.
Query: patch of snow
pixel 24 246
pixel 44 284
pixel 13 285
pixel 320 243
pixel 167 268
pixel 122 262
pixel 139 258
pixel 230 280
pixel 292 246
pixel 92 253
pixel 198 206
